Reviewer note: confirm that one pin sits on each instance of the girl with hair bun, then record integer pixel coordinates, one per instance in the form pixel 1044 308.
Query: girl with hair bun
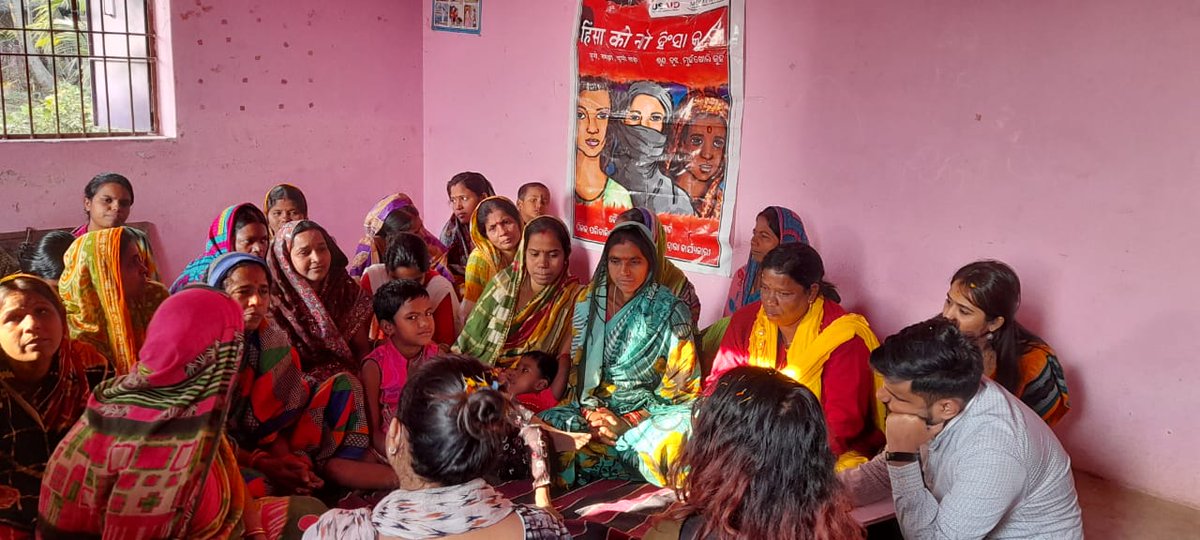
pixel 449 432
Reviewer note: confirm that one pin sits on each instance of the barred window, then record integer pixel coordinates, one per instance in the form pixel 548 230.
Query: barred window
pixel 77 69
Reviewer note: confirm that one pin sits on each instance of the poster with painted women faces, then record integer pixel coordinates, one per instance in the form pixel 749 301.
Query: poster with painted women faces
pixel 658 120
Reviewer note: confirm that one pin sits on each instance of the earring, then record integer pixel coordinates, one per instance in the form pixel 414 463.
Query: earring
pixel 990 335
pixel 392 450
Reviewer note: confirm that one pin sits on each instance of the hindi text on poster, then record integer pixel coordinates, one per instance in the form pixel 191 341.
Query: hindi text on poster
pixel 657 119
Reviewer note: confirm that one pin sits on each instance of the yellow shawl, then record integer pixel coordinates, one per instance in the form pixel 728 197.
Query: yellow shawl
pixel 809 351
pixel 92 293
pixel 485 261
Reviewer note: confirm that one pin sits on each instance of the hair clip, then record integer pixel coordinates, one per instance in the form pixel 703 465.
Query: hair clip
pixel 471 384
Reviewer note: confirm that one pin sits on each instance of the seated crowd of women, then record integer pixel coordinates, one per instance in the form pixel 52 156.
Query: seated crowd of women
pixel 115 390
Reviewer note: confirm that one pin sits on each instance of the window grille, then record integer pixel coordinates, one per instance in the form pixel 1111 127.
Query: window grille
pixel 77 69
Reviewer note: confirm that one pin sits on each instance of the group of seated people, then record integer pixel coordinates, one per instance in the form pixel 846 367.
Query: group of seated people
pixel 276 379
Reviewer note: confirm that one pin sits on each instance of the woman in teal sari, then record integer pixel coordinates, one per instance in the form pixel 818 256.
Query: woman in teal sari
pixel 635 373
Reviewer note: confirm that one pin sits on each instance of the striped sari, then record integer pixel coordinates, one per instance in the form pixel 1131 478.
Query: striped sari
pixel 485 262
pixel 365 254
pixel 1042 384
pixel 498 333
pixel 149 458
pixel 221 239
pixel 97 311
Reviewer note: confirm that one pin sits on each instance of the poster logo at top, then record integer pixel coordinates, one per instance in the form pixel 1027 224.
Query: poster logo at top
pixel 673 8
pixel 658 122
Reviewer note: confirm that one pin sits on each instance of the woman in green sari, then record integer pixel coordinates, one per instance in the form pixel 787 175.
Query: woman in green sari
pixel 527 307
pixel 635 374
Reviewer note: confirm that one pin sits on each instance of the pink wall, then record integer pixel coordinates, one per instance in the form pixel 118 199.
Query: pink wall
pixel 911 138
pixel 914 138
pixel 498 103
pixel 324 95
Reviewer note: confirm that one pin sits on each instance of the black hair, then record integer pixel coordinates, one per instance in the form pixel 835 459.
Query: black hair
pixel 553 226
pixel 995 289
pixel 246 262
pixel 397 221
pixel 935 356
pixel 289 192
pixel 47 259
pixel 521 191
pixel 547 364
pixel 247 214
pixel 93 186
pixel 758 463
pixel 38 287
pixel 486 208
pixel 802 264
pixel 455 434
pixel 128 236
pixel 631 235
pixel 393 295
pixel 772 218
pixel 634 214
pixel 337 259
pixel 476 182
pixel 406 250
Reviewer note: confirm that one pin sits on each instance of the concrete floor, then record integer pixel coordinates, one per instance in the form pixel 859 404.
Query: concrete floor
pixel 1112 511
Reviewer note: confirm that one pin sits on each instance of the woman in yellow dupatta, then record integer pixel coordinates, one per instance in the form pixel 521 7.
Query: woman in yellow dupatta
pixel 108 293
pixel 669 275
pixel 496 232
pixel 799 329
pixel 528 306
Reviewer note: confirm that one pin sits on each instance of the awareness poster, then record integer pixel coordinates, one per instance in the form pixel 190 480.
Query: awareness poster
pixel 657 104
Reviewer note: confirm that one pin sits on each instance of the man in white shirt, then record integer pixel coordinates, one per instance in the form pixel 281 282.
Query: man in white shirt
pixel 964 458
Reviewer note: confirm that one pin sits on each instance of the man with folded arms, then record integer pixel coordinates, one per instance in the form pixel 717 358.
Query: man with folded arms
pixel 964 458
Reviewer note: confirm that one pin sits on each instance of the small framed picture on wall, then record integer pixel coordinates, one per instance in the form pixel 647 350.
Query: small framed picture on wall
pixel 462 16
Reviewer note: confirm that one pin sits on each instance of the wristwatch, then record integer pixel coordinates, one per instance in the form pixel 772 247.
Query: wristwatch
pixel 901 457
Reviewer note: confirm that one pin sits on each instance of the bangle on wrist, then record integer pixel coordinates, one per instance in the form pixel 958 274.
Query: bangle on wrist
pixel 634 418
pixel 254 532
